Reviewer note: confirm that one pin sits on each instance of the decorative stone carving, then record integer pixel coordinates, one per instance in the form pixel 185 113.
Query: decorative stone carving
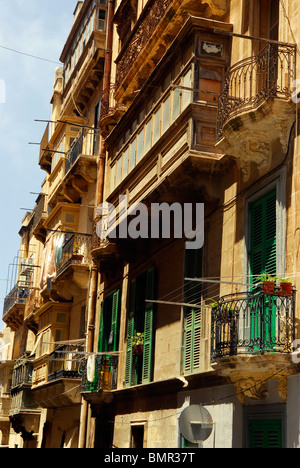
pixel 252 136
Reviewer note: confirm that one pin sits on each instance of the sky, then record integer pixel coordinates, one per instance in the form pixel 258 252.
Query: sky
pixel 39 28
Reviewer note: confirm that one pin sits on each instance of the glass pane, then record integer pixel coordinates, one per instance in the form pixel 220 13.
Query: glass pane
pixel 166 114
pixel 125 163
pixel 119 171
pixel 156 125
pixel 148 136
pixel 187 95
pixel 140 152
pixel 176 104
pixel 132 154
pixel 112 177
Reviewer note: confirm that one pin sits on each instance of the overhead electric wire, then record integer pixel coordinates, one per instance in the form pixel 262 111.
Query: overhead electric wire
pixel 30 55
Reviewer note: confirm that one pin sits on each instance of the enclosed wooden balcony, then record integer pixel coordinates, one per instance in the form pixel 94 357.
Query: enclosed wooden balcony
pixel 256 111
pixel 83 56
pixel 154 30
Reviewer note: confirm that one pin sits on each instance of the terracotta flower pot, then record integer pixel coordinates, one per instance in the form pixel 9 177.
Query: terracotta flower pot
pixel 268 287
pixel 285 289
pixel 138 349
pixel 77 257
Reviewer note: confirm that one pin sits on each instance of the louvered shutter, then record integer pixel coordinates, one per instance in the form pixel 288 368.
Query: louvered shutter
pixel 263 235
pixel 130 334
pixel 101 330
pixel 148 327
pixel 192 316
pixel 265 433
pixel 263 259
pixel 114 320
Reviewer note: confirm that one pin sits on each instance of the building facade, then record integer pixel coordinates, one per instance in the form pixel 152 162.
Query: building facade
pixel 160 108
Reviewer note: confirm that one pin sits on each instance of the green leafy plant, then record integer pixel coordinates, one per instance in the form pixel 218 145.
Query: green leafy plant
pixel 285 280
pixel 213 304
pixel 137 339
pixel 76 248
pixel 267 277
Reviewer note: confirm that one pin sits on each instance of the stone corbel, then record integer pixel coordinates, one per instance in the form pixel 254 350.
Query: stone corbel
pixel 251 388
pixel 215 7
pixel 247 148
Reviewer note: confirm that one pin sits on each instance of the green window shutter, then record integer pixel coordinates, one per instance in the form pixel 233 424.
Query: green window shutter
pixel 130 334
pixel 263 235
pixel 265 433
pixel 108 327
pixel 101 330
pixel 148 328
pixel 192 316
pixel 114 320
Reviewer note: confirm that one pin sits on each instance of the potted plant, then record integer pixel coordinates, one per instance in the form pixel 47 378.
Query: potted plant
pixel 76 252
pixel 285 287
pixel 268 283
pixel 213 304
pixel 137 344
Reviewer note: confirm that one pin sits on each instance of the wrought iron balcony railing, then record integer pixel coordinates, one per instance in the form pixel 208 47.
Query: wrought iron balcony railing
pixel 65 363
pixel 22 373
pixel 17 295
pixel 252 323
pixel 74 152
pixel 270 74
pixel 75 251
pixel 103 372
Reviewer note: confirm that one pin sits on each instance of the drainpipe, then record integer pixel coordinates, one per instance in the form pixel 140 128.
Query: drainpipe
pixel 99 200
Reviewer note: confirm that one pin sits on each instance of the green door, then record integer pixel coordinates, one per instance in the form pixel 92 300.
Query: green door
pixel 263 259
pixel 265 433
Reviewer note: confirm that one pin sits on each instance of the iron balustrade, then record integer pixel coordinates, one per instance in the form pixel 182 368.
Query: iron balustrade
pixel 75 251
pixel 252 323
pixel 39 211
pixel 17 295
pixel 269 74
pixel 22 373
pixel 105 373
pixel 87 138
pixel 74 152
pixel 65 363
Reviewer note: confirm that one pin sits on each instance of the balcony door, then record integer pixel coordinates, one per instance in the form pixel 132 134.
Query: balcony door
pixel 263 259
pixel 139 358
pixel 269 19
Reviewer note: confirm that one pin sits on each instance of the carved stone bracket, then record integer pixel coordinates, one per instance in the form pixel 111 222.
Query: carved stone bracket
pixel 251 374
pixel 259 136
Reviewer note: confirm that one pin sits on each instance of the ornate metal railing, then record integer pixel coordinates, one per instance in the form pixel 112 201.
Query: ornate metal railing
pixel 270 74
pixel 103 372
pixel 252 323
pixel 74 152
pixel 153 14
pixel 39 210
pixel 22 373
pixel 65 363
pixel 108 104
pixel 75 251
pixel 17 295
